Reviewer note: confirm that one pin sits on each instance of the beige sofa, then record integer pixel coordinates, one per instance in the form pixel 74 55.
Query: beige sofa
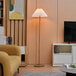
pixel 10 59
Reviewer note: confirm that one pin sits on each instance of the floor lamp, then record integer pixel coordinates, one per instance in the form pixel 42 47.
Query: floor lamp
pixel 39 13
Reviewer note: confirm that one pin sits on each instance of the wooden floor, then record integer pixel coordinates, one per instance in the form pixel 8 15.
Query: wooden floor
pixel 31 68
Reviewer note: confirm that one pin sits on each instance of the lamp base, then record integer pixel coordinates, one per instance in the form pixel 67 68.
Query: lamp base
pixel 38 65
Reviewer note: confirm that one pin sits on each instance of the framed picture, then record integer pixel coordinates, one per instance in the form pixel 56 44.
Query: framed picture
pixel 17 9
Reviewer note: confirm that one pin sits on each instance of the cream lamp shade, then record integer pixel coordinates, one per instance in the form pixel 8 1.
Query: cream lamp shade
pixel 39 12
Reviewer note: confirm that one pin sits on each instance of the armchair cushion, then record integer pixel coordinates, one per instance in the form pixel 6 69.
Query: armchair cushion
pixel 10 58
pixel 10 49
pixel 5 61
pixel 15 62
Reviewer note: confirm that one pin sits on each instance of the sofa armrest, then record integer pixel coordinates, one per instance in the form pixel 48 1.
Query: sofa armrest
pixel 10 49
pixel 5 61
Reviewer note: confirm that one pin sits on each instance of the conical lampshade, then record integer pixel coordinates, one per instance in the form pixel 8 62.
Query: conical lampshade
pixel 39 12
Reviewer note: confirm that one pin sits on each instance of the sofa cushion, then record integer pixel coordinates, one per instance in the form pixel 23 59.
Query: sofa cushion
pixel 15 62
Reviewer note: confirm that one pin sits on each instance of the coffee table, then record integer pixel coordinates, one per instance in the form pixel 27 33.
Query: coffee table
pixel 69 72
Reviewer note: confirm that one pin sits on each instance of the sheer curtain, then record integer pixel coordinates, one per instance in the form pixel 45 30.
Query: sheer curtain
pixel 2 37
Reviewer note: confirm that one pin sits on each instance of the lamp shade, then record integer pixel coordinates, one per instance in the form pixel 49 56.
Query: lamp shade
pixel 39 12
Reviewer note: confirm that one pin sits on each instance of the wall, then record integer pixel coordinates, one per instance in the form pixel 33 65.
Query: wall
pixel 52 28
pixel 48 33
pixel 16 28
pixel 48 30
pixel 66 12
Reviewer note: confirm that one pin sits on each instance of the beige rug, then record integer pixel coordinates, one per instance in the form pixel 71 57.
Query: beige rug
pixel 44 74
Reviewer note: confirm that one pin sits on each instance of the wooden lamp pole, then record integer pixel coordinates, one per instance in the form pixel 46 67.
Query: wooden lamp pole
pixel 39 13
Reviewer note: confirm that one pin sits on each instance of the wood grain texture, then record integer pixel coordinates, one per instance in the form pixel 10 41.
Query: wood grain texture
pixel 12 31
pixel 20 33
pixel 8 29
pixel 16 32
pixel 16 28
pixel 24 33
pixel 5 3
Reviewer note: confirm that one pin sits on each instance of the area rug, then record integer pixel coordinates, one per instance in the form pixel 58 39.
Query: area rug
pixel 44 74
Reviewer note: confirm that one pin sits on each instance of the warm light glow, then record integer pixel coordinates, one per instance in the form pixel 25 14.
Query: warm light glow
pixel 39 12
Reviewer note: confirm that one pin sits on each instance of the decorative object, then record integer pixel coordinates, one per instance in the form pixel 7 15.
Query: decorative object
pixel 17 24
pixel 16 9
pixel 8 40
pixel 39 12
pixel 69 72
pixel 70 66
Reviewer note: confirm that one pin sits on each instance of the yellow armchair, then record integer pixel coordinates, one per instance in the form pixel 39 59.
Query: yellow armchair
pixel 10 58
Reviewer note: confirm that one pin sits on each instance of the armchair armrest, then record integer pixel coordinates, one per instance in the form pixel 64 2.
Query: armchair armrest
pixel 5 61
pixel 10 49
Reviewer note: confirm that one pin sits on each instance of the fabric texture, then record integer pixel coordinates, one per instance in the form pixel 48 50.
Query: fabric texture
pixel 44 74
pixel 10 58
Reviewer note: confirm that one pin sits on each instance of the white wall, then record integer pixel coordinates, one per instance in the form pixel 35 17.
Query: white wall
pixel 2 37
